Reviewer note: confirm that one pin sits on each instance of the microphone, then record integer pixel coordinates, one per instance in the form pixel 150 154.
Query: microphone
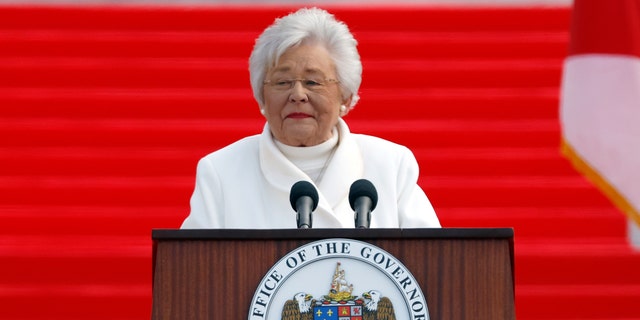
pixel 363 198
pixel 304 199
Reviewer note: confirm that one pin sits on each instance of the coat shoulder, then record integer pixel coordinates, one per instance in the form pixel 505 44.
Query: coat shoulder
pixel 376 146
pixel 231 152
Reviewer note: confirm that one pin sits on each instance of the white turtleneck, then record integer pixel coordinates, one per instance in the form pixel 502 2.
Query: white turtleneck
pixel 311 160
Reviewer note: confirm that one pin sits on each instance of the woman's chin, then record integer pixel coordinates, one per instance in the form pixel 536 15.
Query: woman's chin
pixel 300 136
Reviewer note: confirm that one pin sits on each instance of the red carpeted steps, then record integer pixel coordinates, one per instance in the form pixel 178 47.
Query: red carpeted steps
pixel 105 112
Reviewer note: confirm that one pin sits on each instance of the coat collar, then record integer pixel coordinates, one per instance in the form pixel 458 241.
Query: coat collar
pixel 345 167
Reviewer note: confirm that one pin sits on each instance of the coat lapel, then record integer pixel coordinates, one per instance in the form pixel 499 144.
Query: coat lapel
pixel 276 168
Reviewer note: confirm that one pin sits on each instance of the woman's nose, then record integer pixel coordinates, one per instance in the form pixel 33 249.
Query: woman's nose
pixel 298 93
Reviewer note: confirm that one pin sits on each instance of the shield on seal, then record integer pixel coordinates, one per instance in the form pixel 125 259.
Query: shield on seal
pixel 337 311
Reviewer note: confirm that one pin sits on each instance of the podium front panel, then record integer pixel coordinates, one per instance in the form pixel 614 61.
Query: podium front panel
pixel 213 274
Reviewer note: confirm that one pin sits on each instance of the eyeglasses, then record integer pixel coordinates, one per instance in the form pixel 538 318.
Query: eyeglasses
pixel 309 84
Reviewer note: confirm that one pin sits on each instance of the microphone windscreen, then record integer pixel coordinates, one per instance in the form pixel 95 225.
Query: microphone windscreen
pixel 301 189
pixel 363 188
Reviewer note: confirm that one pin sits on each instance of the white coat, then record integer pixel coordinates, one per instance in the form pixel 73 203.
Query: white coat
pixel 246 185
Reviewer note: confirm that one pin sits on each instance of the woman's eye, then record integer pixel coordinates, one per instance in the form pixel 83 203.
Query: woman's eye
pixel 283 83
pixel 312 83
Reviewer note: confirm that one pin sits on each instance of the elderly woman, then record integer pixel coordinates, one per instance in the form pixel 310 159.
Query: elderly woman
pixel 305 74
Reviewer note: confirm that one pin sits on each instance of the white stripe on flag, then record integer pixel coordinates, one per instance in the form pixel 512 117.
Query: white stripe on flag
pixel 601 123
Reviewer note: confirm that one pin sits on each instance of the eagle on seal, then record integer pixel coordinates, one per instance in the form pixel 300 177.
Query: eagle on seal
pixel 377 307
pixel 299 308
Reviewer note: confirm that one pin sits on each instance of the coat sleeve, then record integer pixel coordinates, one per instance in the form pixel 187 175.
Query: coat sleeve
pixel 414 208
pixel 206 212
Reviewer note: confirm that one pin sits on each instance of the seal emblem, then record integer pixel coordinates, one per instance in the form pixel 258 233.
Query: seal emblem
pixel 339 303
pixel 338 279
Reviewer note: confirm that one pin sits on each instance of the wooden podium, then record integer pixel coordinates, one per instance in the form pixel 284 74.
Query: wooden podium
pixel 213 274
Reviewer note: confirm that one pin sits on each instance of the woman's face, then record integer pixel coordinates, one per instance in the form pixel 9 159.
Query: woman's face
pixel 302 98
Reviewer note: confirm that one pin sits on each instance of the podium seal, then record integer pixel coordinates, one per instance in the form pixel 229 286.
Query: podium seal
pixel 338 279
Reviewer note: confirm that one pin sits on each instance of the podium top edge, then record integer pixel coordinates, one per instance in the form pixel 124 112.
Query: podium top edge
pixel 248 234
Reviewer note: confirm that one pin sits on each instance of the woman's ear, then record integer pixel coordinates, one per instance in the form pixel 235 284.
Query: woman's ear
pixel 345 107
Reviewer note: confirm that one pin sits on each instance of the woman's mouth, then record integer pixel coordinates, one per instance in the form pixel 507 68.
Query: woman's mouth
pixel 298 115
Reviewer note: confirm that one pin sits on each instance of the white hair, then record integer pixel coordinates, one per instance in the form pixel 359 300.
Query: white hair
pixel 308 24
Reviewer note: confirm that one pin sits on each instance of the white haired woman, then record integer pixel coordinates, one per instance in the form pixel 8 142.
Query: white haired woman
pixel 305 75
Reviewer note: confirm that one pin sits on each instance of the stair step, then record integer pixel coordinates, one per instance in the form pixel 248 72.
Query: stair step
pixel 87 301
pixel 471 162
pixel 181 161
pixel 64 273
pixel 104 221
pixel 106 161
pixel 577 302
pixel 233 73
pixel 560 223
pixel 94 190
pixel 109 132
pixel 568 223
pixel 178 132
pixel 592 260
pixel 76 246
pixel 491 191
pixel 462 44
pixel 373 18
pixel 499 192
pixel 82 44
pixel 406 44
pixel 181 103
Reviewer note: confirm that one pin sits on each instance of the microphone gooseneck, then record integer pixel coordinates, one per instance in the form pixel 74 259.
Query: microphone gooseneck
pixel 304 200
pixel 363 199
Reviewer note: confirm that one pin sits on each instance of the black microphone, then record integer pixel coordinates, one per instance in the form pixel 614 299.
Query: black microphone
pixel 304 199
pixel 363 198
